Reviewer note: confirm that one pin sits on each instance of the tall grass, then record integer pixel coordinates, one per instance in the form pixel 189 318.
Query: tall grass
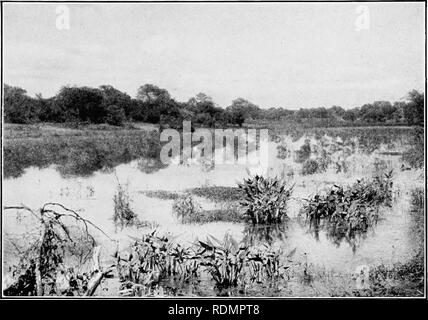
pixel 414 155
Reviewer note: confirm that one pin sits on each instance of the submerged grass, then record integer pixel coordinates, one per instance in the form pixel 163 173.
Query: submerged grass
pixel 218 193
pixel 162 194
pixel 188 210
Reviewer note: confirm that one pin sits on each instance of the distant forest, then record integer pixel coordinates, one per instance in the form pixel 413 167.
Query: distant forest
pixel 155 105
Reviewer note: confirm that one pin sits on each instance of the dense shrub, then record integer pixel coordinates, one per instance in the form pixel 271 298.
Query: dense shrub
pixel 18 107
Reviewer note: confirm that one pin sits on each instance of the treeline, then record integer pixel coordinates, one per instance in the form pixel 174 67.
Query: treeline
pixel 155 105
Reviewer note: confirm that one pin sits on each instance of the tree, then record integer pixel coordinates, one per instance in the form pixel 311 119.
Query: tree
pixel 371 113
pixel 398 115
pixel 115 115
pixel 385 109
pixel 204 111
pixel 152 101
pixel 18 107
pixel 113 96
pixel 414 109
pixel 318 113
pixel 242 109
pixel 351 115
pixel 150 93
pixel 170 114
pixel 336 111
pixel 81 104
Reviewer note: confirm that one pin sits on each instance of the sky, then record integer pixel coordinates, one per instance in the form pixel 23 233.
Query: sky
pixel 291 55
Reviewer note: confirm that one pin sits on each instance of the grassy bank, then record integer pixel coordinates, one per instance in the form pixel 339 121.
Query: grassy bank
pixel 75 151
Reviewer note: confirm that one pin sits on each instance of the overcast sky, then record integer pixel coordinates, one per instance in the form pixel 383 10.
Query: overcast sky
pixel 290 55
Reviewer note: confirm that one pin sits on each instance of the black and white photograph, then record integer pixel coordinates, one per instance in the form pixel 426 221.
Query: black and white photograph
pixel 233 150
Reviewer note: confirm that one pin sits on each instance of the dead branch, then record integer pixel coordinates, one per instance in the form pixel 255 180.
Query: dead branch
pixel 98 273
pixel 49 218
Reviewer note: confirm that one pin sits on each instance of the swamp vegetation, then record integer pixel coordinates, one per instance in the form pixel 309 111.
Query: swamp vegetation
pixel 238 235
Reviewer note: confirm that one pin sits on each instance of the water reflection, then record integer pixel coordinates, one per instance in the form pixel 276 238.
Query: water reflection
pixel 264 234
pixel 150 165
pixel 337 233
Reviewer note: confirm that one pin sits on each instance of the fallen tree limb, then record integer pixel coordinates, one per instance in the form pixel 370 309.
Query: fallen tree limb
pixel 98 273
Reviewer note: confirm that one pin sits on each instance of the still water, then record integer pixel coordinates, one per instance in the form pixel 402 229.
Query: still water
pixel 388 242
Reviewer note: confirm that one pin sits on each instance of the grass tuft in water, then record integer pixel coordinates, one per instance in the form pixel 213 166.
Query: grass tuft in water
pixel 123 216
pixel 188 210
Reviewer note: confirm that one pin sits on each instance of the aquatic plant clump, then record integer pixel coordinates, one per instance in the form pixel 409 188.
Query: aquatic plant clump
pixel 265 199
pixel 310 167
pixel 351 209
pixel 154 258
pixel 231 264
pixel 304 152
pixel 223 260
